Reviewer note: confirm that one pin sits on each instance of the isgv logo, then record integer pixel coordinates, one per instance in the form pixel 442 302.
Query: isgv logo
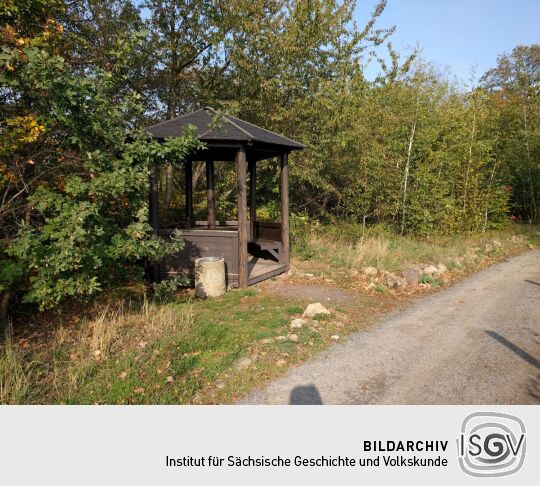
pixel 491 444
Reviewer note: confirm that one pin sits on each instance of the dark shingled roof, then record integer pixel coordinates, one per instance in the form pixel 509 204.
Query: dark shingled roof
pixel 229 129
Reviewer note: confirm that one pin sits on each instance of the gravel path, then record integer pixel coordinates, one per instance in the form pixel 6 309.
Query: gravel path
pixel 477 342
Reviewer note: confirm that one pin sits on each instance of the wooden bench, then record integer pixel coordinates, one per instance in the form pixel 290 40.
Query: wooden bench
pixel 271 246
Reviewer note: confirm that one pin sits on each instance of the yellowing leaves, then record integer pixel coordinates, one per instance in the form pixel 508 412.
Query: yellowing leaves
pixel 20 130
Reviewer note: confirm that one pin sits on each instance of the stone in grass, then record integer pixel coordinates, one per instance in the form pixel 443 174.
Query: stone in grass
pixel 297 323
pixel 267 341
pixel 412 276
pixel 441 268
pixel 393 281
pixel 335 337
pixel 315 309
pixel 293 338
pixel 370 271
pixel 243 363
pixel 430 270
pixel 280 338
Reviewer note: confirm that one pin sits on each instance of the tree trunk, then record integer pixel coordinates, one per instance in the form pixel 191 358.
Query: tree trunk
pixel 197 174
pixel 363 230
pixel 172 101
pixel 487 197
pixel 242 218
pixel 469 162
pixel 406 174
pixel 532 214
pixel 5 298
pixel 169 174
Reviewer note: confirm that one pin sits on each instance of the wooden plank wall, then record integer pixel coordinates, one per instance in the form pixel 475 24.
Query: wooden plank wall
pixel 267 230
pixel 202 243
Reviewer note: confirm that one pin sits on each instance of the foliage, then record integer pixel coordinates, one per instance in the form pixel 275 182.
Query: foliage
pixel 515 97
pixel 413 148
pixel 166 289
pixel 74 180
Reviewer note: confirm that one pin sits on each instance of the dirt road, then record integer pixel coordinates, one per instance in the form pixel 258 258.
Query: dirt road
pixel 477 342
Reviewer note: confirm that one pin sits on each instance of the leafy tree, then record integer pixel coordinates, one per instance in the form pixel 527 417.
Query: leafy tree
pixel 73 184
pixel 514 84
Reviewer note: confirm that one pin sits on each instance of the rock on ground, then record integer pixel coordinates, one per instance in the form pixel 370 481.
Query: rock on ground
pixel 315 309
pixel 243 363
pixel 297 323
pixel 430 270
pixel 412 276
pixel 393 281
pixel 441 268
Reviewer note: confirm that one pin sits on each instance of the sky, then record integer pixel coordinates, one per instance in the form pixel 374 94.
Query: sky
pixel 458 34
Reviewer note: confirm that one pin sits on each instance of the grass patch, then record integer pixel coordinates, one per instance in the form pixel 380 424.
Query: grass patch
pixel 321 317
pixel 134 352
pixel 427 279
pixel 295 309
pixel 342 246
pixel 15 373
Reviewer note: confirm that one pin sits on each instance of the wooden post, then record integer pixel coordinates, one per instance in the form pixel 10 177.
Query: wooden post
pixel 189 193
pixel 154 215
pixel 284 208
pixel 169 176
pixel 154 201
pixel 210 194
pixel 242 218
pixel 252 196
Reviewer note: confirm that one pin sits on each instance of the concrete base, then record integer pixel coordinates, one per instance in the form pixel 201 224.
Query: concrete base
pixel 209 277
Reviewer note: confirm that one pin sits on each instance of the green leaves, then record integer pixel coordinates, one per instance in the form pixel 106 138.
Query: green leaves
pixel 96 225
pixel 84 216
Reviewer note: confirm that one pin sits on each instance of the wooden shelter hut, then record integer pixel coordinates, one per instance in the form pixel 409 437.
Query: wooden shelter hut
pixel 253 250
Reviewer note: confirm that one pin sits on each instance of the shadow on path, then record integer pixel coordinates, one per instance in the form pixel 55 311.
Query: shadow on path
pixel 305 395
pixel 514 348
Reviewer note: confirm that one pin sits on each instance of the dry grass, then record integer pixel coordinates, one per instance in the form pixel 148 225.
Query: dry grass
pixel 395 253
pixel 15 373
pixel 76 353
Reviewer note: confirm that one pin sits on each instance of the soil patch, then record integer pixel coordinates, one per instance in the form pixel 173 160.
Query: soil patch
pixel 312 292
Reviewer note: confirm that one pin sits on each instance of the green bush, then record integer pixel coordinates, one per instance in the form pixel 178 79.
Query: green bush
pixel 83 223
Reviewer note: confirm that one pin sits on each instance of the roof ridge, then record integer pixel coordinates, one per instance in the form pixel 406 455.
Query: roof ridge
pixel 224 115
pixel 266 130
pixel 174 119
